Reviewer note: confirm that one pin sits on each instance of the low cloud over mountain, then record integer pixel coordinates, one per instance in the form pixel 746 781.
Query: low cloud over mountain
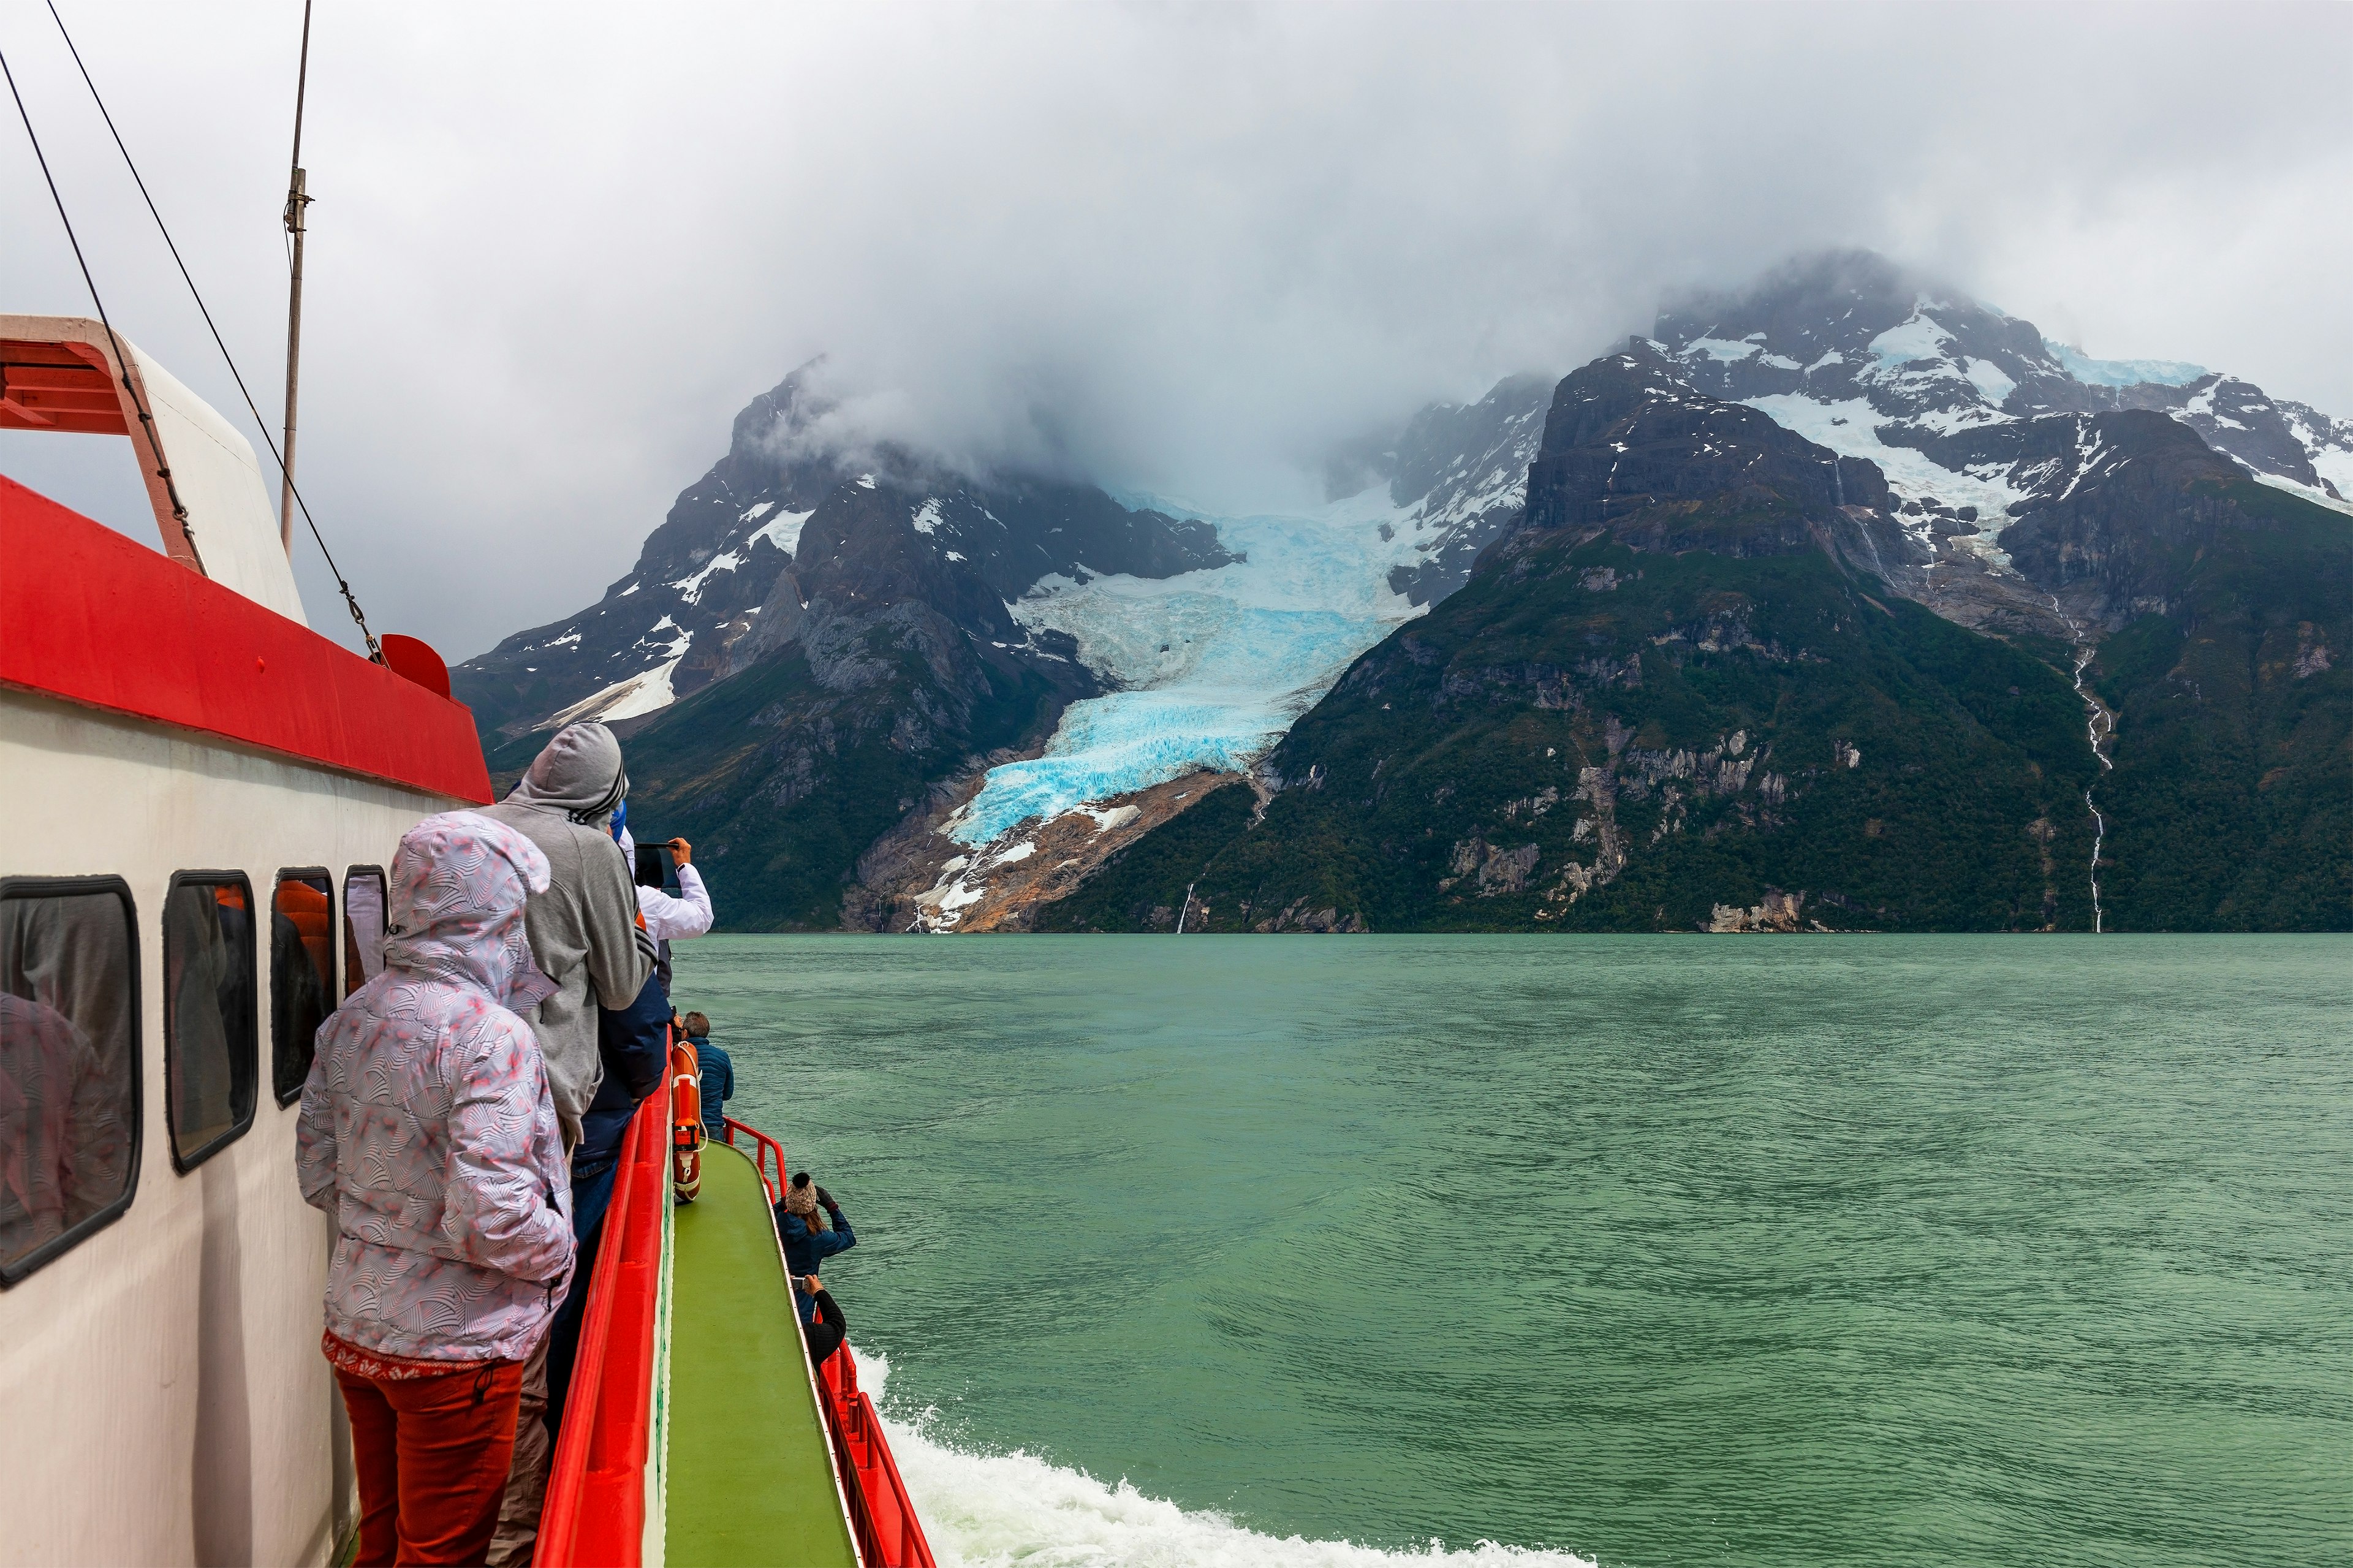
pixel 1186 250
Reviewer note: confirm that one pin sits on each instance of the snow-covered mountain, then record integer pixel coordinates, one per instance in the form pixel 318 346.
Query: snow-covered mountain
pixel 685 615
pixel 1686 692
pixel 1854 352
pixel 663 631
pixel 1208 671
pixel 1037 658
pixel 814 641
pixel 1978 421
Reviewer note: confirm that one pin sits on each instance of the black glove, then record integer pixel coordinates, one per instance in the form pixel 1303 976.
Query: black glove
pixel 827 1199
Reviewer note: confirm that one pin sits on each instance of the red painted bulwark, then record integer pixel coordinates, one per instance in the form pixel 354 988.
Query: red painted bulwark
pixel 91 617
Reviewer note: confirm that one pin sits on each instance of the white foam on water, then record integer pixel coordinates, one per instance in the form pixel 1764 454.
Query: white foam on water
pixel 1017 1510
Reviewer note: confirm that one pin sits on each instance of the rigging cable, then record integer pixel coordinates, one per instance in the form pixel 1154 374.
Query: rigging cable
pixel 121 360
pixel 351 602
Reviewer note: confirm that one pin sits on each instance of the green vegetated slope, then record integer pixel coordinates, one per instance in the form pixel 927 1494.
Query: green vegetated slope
pixel 1671 699
pixel 2230 807
pixel 782 780
pixel 1545 751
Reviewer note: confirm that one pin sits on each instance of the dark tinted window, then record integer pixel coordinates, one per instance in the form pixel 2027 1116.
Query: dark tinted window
pixel 362 926
pixel 68 1064
pixel 302 976
pixel 209 1045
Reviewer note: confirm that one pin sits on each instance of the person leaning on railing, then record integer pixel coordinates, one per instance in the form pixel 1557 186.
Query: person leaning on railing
pixel 429 1135
pixel 825 1330
pixel 806 1242
pixel 714 1074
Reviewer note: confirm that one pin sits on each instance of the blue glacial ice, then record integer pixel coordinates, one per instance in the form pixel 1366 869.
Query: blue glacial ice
pixel 2122 372
pixel 1214 665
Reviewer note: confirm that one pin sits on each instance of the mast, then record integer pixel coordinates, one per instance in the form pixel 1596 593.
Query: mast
pixel 296 200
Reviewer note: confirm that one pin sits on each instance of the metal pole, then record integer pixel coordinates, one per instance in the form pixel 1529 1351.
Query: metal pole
pixel 296 200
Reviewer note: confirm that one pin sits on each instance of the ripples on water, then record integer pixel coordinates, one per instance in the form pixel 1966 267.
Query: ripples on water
pixel 1660 1251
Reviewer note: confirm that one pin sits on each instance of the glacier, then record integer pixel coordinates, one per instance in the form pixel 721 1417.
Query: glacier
pixel 1212 666
pixel 2123 372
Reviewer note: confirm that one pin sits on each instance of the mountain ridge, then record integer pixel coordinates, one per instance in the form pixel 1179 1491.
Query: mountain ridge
pixel 1722 544
pixel 2084 515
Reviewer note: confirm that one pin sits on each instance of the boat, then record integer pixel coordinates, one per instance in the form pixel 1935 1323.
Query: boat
pixel 205 793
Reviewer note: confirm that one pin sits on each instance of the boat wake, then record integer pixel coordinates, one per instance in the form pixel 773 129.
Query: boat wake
pixel 1017 1510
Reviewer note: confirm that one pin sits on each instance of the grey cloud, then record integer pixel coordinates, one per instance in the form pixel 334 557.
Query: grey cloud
pixel 1186 250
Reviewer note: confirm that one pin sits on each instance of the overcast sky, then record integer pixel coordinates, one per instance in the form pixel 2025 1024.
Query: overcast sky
pixel 556 247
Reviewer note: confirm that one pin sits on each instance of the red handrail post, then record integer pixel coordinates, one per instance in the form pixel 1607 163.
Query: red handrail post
pixel 765 1148
pixel 889 1533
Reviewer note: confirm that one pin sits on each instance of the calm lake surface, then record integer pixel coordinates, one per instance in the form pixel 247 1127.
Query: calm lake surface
pixel 1655 1252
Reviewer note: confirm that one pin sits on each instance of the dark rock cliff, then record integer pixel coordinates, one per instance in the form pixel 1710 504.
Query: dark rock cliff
pixel 1632 446
pixel 1680 694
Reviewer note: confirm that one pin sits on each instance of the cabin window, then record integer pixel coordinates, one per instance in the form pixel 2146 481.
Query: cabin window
pixel 68 1063
pixel 362 926
pixel 210 1035
pixel 301 975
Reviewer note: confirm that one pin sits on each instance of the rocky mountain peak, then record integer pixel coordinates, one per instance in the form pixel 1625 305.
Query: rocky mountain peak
pixel 1457 474
pixel 1872 359
pixel 1633 446
pixel 871 526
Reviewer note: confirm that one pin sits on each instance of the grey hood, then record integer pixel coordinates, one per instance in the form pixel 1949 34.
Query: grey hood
pixel 579 773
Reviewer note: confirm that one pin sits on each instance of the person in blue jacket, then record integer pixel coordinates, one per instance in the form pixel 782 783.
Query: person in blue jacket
pixel 806 1243
pixel 714 1074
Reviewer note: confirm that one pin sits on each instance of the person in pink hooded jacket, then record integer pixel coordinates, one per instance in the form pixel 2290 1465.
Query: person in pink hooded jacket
pixel 429 1135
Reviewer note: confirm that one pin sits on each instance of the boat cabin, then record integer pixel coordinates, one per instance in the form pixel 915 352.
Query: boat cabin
pixel 203 795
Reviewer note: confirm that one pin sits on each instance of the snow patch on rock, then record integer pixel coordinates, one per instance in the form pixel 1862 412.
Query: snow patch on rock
pixel 647 691
pixel 783 532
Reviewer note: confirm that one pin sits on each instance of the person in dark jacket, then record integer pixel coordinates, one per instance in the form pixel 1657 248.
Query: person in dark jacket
pixel 714 1072
pixel 825 1330
pixel 633 1044
pixel 806 1242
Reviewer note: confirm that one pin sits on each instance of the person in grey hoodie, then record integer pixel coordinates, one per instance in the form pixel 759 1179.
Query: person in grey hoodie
pixel 584 937
pixel 584 929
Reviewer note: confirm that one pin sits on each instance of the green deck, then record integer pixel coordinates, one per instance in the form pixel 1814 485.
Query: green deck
pixel 750 1477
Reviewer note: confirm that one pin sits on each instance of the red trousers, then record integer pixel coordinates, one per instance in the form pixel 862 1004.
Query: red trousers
pixel 432 1456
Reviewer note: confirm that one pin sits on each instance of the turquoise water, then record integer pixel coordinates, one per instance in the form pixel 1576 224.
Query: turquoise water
pixel 1653 1251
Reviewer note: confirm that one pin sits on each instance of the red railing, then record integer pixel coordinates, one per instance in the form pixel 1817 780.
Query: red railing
pixel 595 1515
pixel 595 1509
pixel 889 1536
pixel 766 1151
